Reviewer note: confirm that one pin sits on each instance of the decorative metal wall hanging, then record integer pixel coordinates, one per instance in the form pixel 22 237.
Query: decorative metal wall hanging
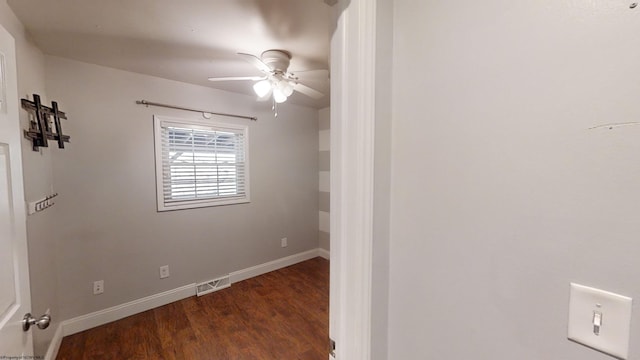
pixel 42 128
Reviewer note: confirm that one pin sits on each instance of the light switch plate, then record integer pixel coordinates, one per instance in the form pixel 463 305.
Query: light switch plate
pixel 587 304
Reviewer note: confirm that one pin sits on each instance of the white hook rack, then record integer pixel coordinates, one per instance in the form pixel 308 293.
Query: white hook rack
pixel 42 204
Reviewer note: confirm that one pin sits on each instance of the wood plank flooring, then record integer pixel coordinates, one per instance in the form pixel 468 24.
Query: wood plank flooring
pixel 282 315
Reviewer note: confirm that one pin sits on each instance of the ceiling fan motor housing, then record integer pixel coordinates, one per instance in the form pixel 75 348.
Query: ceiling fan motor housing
pixel 277 60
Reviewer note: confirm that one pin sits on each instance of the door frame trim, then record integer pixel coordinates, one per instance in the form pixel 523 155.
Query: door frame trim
pixel 353 67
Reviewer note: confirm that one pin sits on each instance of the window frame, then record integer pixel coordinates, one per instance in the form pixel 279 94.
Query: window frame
pixel 158 122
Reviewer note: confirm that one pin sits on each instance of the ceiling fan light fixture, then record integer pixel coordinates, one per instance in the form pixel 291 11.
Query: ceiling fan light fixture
pixel 286 87
pixel 279 96
pixel 262 88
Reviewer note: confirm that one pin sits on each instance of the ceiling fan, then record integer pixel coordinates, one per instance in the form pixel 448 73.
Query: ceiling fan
pixel 276 79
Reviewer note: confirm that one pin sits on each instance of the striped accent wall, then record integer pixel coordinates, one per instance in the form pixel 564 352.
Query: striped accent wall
pixel 324 137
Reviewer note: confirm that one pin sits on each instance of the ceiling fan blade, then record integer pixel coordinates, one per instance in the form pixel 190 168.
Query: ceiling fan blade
pixel 237 78
pixel 312 93
pixel 320 74
pixel 257 62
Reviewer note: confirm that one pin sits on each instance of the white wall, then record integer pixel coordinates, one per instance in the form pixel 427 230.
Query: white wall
pixel 38 181
pixel 382 181
pixel 106 181
pixel 501 195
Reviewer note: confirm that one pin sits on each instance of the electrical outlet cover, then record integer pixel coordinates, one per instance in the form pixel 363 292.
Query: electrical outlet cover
pixel 164 271
pixel 98 287
pixel 586 305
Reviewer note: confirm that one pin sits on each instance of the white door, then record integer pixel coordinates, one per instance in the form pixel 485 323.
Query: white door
pixel 15 297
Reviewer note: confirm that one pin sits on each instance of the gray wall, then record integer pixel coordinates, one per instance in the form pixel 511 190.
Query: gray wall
pixel 324 170
pixel 106 181
pixel 38 183
pixel 501 195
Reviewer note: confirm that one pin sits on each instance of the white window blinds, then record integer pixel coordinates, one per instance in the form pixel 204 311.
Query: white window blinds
pixel 200 165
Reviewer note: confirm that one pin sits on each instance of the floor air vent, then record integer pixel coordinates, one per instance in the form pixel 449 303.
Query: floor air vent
pixel 213 285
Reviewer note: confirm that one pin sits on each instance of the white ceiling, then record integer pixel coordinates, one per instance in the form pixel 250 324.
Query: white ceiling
pixel 185 40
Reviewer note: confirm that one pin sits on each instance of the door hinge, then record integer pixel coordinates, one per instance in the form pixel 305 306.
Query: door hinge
pixel 332 347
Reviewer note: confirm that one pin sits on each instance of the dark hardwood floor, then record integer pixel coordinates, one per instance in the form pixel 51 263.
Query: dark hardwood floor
pixel 282 315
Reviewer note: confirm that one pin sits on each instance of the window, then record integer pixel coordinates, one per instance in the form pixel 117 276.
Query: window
pixel 200 163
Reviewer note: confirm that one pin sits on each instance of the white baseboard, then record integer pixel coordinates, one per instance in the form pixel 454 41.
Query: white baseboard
pixel 88 321
pixel 272 265
pixel 54 346
pixel 323 253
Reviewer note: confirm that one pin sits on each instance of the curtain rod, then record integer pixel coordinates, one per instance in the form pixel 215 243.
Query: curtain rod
pixel 204 112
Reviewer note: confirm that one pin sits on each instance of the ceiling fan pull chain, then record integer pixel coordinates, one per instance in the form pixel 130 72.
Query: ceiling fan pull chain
pixel 274 107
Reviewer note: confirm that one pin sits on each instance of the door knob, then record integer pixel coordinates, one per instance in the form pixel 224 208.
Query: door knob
pixel 42 323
